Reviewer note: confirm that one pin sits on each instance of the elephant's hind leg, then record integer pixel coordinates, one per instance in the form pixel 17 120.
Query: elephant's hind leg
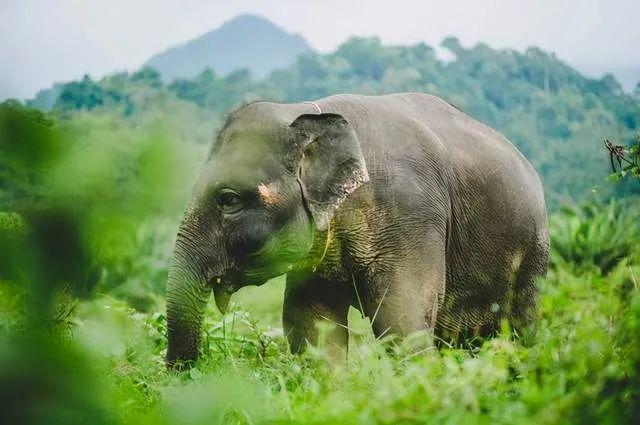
pixel 406 297
pixel 534 264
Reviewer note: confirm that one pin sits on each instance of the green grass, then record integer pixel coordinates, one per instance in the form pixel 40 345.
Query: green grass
pixel 581 367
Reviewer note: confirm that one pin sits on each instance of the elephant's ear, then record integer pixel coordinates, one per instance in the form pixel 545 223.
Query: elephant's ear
pixel 331 165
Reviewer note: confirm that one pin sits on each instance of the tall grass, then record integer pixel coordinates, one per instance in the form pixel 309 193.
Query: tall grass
pixel 104 363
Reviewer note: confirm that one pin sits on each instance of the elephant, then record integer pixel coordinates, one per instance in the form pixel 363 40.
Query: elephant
pixel 400 205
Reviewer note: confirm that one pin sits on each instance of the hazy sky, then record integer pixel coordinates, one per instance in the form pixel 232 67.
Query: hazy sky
pixel 42 41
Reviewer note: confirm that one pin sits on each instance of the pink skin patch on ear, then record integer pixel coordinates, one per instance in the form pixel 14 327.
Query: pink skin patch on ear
pixel 269 193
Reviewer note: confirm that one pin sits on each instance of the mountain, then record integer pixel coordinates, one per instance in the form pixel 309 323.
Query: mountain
pixel 247 41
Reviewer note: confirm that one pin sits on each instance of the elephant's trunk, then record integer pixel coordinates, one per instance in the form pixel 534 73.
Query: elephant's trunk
pixel 188 291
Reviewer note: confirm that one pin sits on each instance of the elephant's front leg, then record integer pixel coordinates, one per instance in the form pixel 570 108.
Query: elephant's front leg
pixel 406 294
pixel 312 300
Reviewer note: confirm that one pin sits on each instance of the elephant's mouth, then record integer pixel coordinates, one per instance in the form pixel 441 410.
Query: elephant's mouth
pixel 222 295
pixel 232 280
pixel 228 283
pixel 224 286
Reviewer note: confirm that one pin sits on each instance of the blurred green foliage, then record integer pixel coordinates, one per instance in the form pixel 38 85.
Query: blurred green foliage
pixel 91 195
pixel 29 144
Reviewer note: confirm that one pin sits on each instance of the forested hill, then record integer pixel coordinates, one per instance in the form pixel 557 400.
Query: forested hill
pixel 556 116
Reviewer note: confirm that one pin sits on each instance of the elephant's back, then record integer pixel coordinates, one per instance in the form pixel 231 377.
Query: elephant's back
pixel 401 122
pixel 422 127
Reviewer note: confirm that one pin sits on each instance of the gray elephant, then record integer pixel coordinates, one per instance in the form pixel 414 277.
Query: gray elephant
pixel 399 205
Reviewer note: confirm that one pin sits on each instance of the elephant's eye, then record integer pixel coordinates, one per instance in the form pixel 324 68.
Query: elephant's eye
pixel 229 201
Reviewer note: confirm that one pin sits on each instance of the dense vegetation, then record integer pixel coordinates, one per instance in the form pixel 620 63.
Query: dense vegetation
pixel 91 194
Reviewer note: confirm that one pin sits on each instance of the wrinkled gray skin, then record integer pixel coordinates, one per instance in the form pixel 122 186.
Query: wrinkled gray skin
pixel 399 205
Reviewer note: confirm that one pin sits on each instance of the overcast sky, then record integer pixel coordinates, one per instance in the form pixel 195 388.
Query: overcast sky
pixel 42 41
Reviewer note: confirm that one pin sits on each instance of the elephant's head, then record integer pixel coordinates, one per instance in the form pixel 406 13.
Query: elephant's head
pixel 270 184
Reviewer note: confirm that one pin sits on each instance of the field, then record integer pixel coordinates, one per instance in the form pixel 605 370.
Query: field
pixel 104 363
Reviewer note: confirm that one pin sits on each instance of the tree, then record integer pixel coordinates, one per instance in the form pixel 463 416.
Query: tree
pixel 87 94
pixel 148 76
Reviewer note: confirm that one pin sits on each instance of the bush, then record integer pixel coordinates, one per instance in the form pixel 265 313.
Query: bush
pixel 594 236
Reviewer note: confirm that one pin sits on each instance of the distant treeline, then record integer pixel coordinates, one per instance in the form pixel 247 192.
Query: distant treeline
pixel 556 116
